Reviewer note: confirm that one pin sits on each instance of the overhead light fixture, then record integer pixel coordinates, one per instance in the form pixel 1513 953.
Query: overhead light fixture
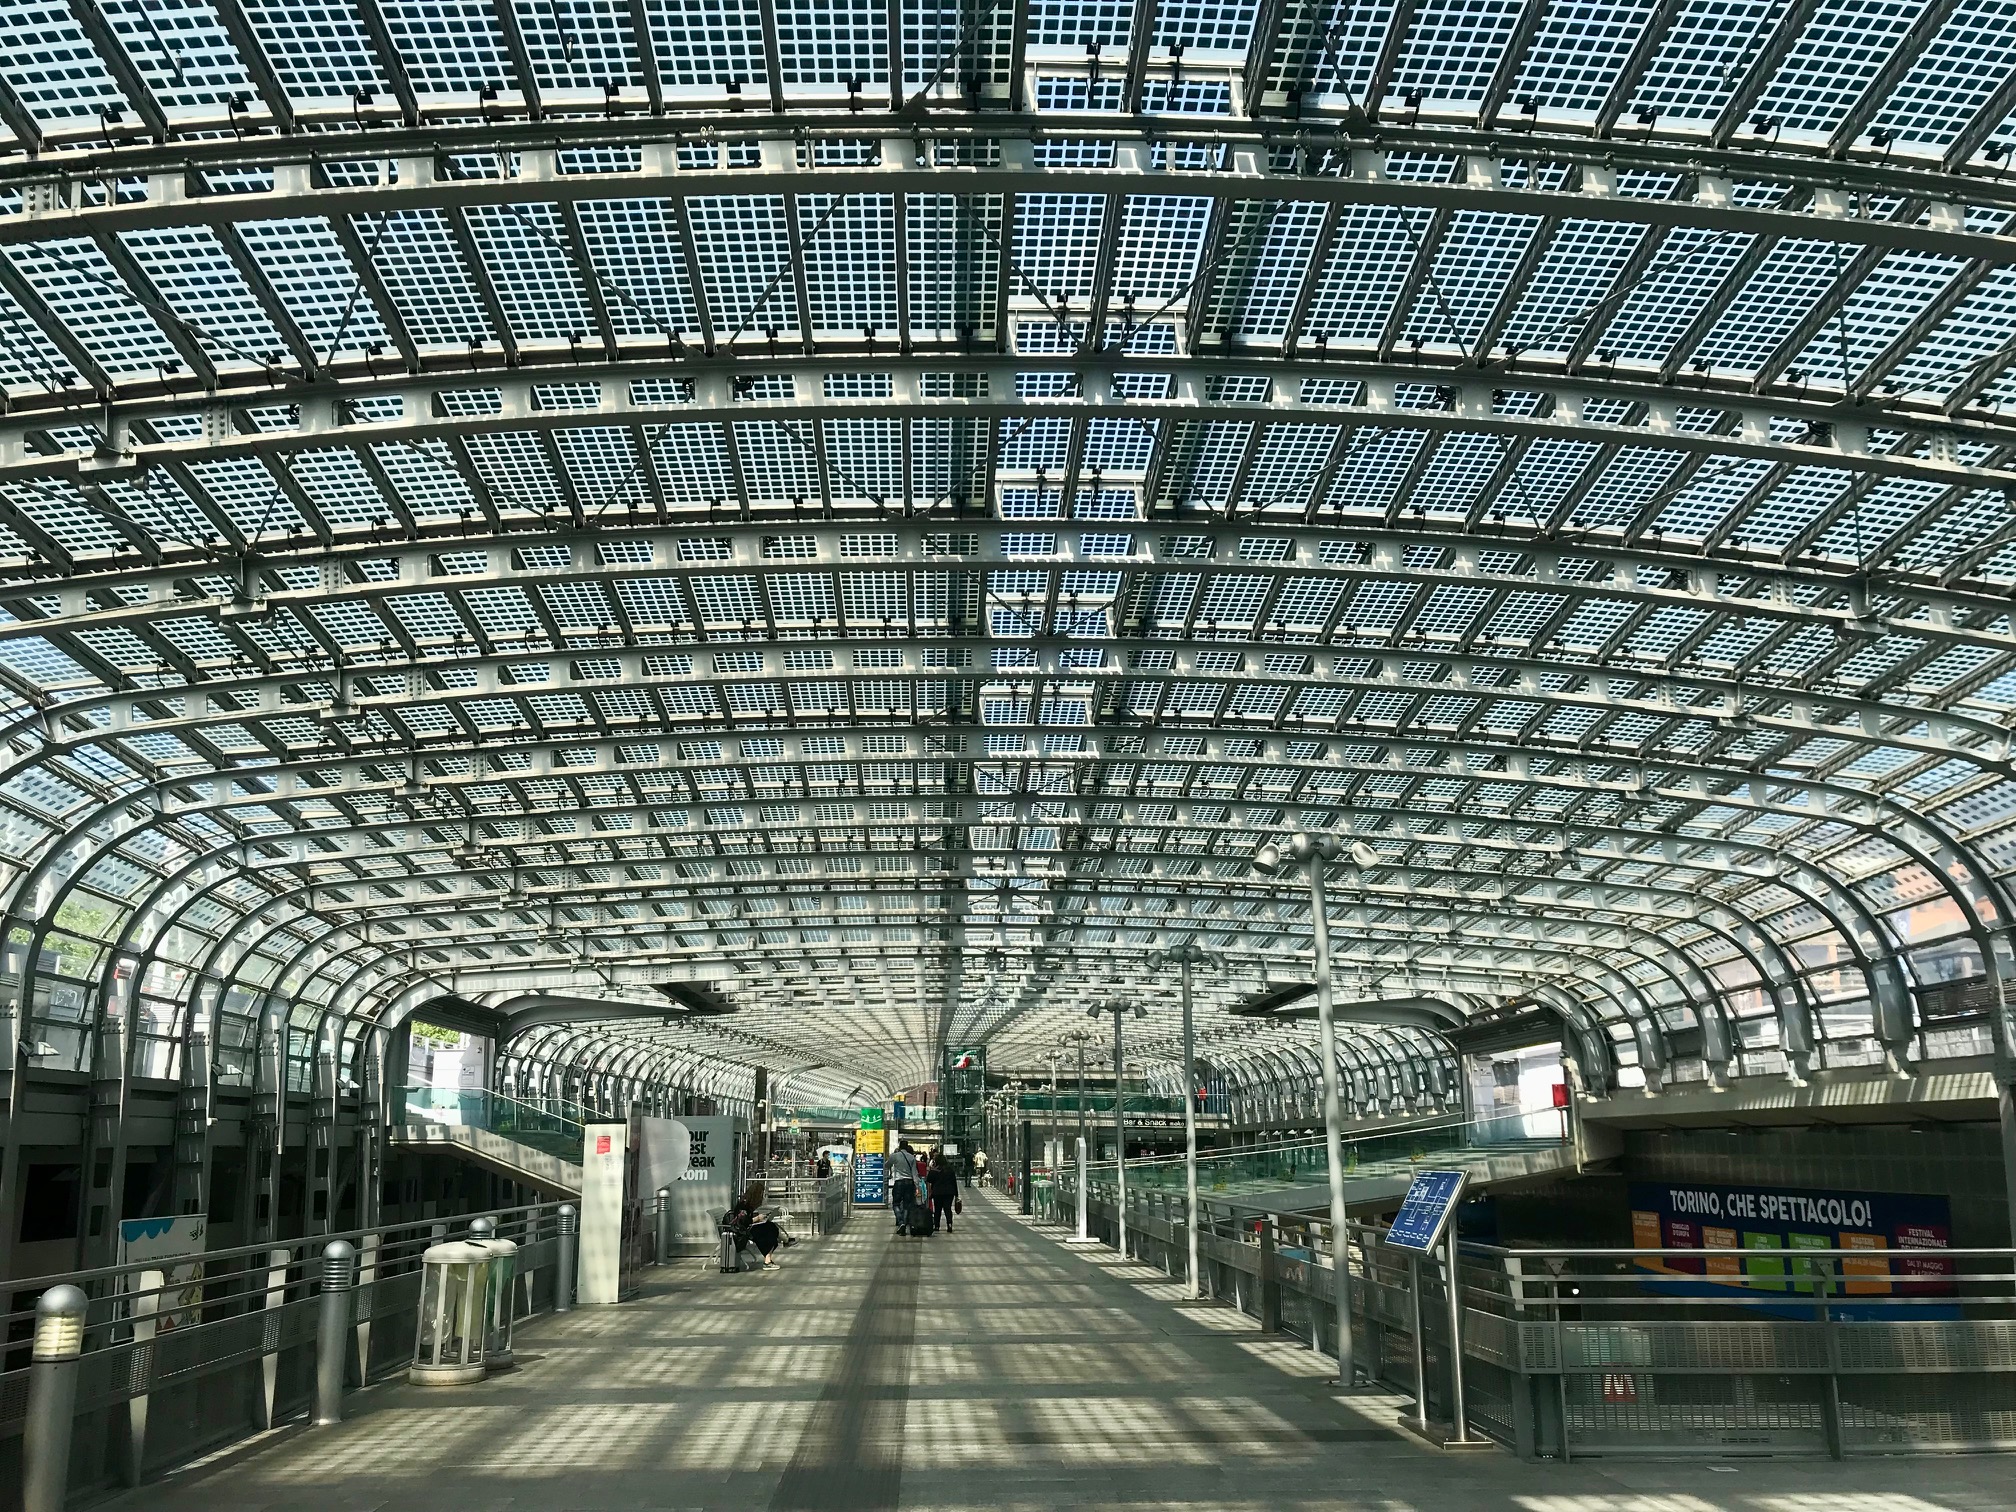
pixel 1364 854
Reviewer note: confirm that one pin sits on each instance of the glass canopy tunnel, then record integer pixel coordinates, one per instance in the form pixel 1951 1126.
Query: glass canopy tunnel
pixel 872 511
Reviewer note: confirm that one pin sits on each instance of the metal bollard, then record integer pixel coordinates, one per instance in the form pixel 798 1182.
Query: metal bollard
pixel 664 1224
pixel 52 1399
pixel 332 1330
pixel 563 1290
pixel 483 1228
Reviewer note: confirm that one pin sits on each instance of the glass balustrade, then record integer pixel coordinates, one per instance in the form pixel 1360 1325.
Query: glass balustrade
pixel 554 1126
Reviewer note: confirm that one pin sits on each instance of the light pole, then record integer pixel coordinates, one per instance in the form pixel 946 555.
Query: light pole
pixel 1186 957
pixel 1119 1010
pixel 1312 852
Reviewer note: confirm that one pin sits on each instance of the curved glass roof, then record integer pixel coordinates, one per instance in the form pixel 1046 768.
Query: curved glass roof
pixel 873 510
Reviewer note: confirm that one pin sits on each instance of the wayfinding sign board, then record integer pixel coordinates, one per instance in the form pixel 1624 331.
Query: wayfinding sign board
pixel 870 1175
pixel 1425 1211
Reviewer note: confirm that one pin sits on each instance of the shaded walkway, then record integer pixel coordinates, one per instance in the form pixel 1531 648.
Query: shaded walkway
pixel 990 1369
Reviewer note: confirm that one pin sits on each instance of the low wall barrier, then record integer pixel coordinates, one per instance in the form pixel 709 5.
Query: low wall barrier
pixel 1582 1352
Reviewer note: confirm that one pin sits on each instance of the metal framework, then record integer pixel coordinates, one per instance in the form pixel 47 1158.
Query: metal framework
pixel 876 512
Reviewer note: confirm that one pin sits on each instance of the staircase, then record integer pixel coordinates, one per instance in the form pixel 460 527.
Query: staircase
pixel 533 1143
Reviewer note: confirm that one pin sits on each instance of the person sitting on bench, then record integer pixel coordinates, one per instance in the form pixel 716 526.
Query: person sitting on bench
pixel 750 1227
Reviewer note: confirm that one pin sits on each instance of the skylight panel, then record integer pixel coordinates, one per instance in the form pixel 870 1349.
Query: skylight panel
pixel 416 255
pixel 779 460
pixel 1577 54
pixel 1841 50
pixel 1702 60
pixel 28 358
pixel 578 45
pixel 1161 239
pixel 198 282
pixel 745 263
pixel 319 48
pixel 80 287
pixel 866 458
pixel 1622 489
pixel 640 271
pixel 692 463
pixel 828 42
pixel 248 495
pixel 55 506
pixel 52 66
pixel 1954 77
pixel 1977 328
pixel 1282 236
pixel 1057 240
pixel 1369 263
pixel 181 51
pixel 1877 311
pixel 1075 24
pixel 602 462
pixel 1472 270
pixel 850 261
pixel 1286 467
pixel 954 262
pixel 1456 476
pixel 1575 275
pixel 704 44
pixel 513 466
pixel 1794 279
pixel 526 257
pixel 1375 463
pixel 339 487
pixel 1692 264
pixel 1452 49
pixel 315 282
pixel 449 47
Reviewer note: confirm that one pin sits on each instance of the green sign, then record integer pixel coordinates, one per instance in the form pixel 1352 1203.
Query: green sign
pixel 871 1118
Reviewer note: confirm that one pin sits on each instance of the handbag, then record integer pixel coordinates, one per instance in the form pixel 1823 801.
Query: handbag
pixel 958 1205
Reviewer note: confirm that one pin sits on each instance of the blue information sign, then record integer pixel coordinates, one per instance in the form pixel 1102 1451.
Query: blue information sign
pixel 868 1183
pixel 1425 1211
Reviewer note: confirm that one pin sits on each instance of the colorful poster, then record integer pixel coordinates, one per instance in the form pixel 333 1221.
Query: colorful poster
pixel 171 1296
pixel 1765 1229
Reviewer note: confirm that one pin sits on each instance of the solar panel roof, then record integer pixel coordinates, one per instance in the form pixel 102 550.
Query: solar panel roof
pixel 877 508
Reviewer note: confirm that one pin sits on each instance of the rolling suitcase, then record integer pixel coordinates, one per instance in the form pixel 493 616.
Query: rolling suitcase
pixel 920 1220
pixel 729 1259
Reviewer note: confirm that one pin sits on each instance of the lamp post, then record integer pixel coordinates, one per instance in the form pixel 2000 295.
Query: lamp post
pixel 1119 1010
pixel 1186 957
pixel 1312 852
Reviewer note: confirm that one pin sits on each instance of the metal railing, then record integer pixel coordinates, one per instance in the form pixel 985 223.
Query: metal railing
pixel 181 1355
pixel 1568 1352
pixel 822 1202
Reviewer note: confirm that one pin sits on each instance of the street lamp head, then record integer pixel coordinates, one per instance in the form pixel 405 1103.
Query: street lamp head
pixel 1267 857
pixel 1313 847
pixel 1364 854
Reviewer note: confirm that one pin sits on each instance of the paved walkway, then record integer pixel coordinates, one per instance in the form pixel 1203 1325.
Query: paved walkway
pixel 992 1369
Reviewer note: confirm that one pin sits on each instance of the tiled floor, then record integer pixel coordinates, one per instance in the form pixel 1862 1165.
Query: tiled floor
pixel 991 1369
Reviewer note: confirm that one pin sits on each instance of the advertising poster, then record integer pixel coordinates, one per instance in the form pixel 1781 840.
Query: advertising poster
pixel 1752 1237
pixel 176 1245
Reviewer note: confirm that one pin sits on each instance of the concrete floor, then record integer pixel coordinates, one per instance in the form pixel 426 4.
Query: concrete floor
pixel 993 1368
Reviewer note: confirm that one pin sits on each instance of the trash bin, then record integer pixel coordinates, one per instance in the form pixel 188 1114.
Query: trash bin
pixel 502 1314
pixel 448 1345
